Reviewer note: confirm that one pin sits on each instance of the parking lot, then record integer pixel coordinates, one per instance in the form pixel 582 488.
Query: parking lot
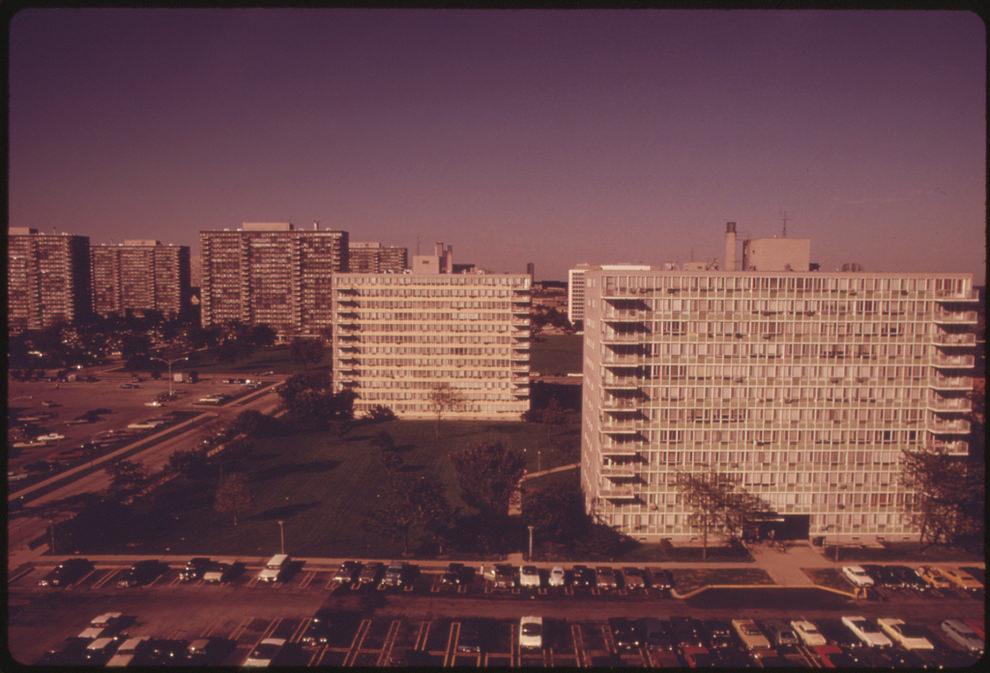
pixel 426 621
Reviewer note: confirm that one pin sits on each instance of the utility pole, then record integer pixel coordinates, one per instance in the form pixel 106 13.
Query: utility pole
pixel 281 534
pixel 530 542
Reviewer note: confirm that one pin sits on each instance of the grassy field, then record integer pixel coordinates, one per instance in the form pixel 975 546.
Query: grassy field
pixel 271 358
pixel 689 579
pixel 556 354
pixel 319 484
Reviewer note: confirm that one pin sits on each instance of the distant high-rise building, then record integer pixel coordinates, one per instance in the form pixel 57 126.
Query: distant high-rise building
pixel 140 276
pixel 531 271
pixel 271 273
pixel 377 258
pixel 47 279
pixel 397 337
pixel 804 388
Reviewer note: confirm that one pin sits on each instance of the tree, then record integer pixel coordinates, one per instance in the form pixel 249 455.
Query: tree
pixel 191 463
pixel 557 512
pixel 488 475
pixel 387 454
pixel 552 415
pixel 442 399
pixel 233 495
pixel 307 351
pixel 380 413
pixel 409 503
pixel 717 504
pixel 253 423
pixel 127 478
pixel 948 496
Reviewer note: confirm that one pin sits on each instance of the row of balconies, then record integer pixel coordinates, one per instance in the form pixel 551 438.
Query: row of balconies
pixel 955 317
pixel 957 447
pixel 939 382
pixel 939 403
pixel 946 427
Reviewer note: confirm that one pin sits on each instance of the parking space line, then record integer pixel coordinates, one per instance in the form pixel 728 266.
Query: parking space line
pixel 548 657
pixel 310 576
pixel 513 646
pixel 318 654
pixel 422 635
pixel 355 648
pixel 452 636
pixel 271 628
pixel 580 653
pixel 241 628
pixel 212 628
pixel 106 578
pixel 393 632
pixel 154 581
pixel 331 584
pixel 82 579
pixel 609 642
pixel 297 634
pixel 174 581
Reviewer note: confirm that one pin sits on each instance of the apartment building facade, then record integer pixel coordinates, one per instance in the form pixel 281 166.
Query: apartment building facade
pixel 139 276
pixel 271 273
pixel 47 279
pixel 397 337
pixel 801 387
pixel 373 257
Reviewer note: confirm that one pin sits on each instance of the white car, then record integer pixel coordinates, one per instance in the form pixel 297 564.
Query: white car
pixel 531 632
pixel 266 651
pixel 153 403
pixel 50 437
pixel 529 576
pixel 272 572
pixel 808 633
pixel 960 633
pixel 556 578
pixel 125 655
pixel 908 636
pixel 857 576
pixel 867 632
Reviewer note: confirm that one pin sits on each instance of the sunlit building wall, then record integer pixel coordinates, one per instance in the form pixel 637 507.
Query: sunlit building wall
pixel 802 387
pixel 48 279
pixel 139 276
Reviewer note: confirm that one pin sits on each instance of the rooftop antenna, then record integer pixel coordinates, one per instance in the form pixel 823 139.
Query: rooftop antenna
pixel 783 217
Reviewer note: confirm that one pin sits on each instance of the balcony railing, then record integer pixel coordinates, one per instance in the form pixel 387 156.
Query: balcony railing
pixel 955 448
pixel 951 382
pixel 621 403
pixel 624 383
pixel 956 296
pixel 617 492
pixel 620 471
pixel 957 427
pixel 629 337
pixel 619 315
pixel 939 403
pixel 956 317
pixel 954 361
pixel 620 450
pixel 943 339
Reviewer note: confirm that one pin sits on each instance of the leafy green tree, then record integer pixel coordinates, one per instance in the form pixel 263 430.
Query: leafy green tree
pixel 443 398
pixel 557 512
pixel 380 413
pixel 253 423
pixel 307 351
pixel 405 504
pixel 717 503
pixel 488 475
pixel 947 506
pixel 192 463
pixel 233 495
pixel 127 478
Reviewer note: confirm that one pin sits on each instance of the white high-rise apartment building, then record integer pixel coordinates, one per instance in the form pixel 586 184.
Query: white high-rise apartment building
pixel 803 387
pixel 397 337
pixel 575 287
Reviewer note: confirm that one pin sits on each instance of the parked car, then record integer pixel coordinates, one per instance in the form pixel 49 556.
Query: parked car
pixel 393 575
pixel 962 634
pixel 99 651
pixel 274 570
pixel 469 638
pixel 207 651
pixel 808 632
pixel 583 576
pixel 557 577
pixel 908 636
pixel 71 653
pixel 634 578
pixel 880 575
pixel 221 573
pixel 907 578
pixel 128 651
pixel 104 625
pixel 529 577
pixel 688 631
pixel 265 653
pixel 50 437
pixel 657 633
pixel 868 632
pixel 857 576
pixel 371 573
pixel 195 567
pixel 626 633
pixel 781 633
pixel 453 576
pixel 661 579
pixel 531 632
pixel 66 572
pixel 750 634
pixel 140 573
pixel 347 572
pixel 962 579
pixel 605 578
pixel 719 633
pixel 933 577
pixel 697 657
pixel 319 628
pixel 505 576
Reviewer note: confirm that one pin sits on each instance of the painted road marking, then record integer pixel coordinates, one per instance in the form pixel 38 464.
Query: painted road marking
pixel 580 652
pixel 356 643
pixel 422 635
pixel 393 631
pixel 452 636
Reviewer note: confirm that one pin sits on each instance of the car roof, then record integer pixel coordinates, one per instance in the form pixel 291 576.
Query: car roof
pixel 278 558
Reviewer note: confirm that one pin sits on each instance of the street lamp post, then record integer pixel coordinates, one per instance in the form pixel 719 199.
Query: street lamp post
pixel 530 542
pixel 281 534
pixel 539 460
pixel 169 363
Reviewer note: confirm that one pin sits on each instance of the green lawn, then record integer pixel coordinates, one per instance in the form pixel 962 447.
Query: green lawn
pixel 271 358
pixel 556 354
pixel 319 484
pixel 689 579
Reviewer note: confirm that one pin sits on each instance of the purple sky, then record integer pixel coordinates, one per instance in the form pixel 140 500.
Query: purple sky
pixel 555 137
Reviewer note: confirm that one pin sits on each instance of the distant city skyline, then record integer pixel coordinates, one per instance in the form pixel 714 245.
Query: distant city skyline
pixel 552 137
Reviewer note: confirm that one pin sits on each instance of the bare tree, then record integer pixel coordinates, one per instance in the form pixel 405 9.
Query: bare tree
pixel 233 495
pixel 442 399
pixel 948 495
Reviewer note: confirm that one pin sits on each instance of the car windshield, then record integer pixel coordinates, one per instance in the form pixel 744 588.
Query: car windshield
pixel 531 629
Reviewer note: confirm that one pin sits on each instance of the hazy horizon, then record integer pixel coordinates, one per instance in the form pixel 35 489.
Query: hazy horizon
pixel 552 137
